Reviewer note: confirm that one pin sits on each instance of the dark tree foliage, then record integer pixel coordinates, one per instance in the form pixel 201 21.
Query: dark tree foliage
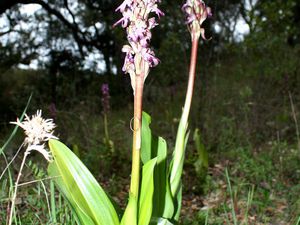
pixel 87 23
pixel 68 32
pixel 85 26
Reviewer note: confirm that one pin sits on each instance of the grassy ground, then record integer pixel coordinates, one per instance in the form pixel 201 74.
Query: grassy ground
pixel 262 184
pixel 248 125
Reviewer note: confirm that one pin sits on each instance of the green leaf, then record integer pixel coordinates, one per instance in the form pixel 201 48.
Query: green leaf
pixel 177 204
pixel 153 146
pixel 149 142
pixel 146 194
pixel 160 221
pixel 80 187
pixel 201 164
pixel 176 166
pixel 163 221
pixel 200 148
pixel 130 214
pixel 81 217
pixel 162 199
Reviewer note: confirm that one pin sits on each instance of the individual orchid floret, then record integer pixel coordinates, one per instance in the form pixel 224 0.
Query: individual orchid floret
pixel 37 131
pixel 138 23
pixel 196 13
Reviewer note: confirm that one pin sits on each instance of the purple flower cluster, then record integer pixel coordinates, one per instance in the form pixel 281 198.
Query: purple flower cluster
pixel 105 98
pixel 138 24
pixel 196 13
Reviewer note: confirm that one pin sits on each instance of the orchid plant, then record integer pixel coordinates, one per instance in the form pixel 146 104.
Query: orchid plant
pixel 155 187
pixel 105 111
pixel 138 60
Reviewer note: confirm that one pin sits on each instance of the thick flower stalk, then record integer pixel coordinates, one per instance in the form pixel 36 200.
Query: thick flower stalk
pixel 139 58
pixel 37 131
pixel 196 13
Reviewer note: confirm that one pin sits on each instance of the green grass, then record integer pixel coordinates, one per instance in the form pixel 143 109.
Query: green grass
pixel 255 192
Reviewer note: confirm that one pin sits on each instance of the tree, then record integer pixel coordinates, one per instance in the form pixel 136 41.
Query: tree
pixel 87 23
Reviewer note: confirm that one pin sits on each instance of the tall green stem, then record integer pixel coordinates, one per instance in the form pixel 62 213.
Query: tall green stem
pixel 177 167
pixel 136 144
pixel 190 87
pixel 105 127
pixel 107 141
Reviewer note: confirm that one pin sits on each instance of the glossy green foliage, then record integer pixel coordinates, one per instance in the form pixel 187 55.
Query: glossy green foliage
pixel 146 195
pixel 88 200
pixel 155 204
pixel 162 221
pixel 176 167
pixel 178 157
pixel 153 146
pixel 142 215
pixel 130 214
pixel 149 142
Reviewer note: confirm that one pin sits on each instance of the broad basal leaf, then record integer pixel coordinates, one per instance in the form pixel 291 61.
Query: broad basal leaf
pixel 146 194
pixel 162 199
pixel 80 187
pixel 130 214
pixel 149 141
pixel 153 146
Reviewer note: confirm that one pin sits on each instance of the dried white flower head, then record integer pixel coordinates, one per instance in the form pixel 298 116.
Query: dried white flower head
pixel 37 131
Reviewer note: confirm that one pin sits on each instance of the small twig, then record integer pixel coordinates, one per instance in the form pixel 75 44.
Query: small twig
pixel 36 181
pixel 13 200
pixel 47 200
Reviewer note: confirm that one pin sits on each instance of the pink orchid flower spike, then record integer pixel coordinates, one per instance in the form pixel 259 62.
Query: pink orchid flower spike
pixel 196 13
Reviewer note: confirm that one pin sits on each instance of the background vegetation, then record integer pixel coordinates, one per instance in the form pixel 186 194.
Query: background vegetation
pixel 246 103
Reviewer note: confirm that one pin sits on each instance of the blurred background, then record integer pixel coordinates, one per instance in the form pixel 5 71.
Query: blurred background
pixel 246 102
